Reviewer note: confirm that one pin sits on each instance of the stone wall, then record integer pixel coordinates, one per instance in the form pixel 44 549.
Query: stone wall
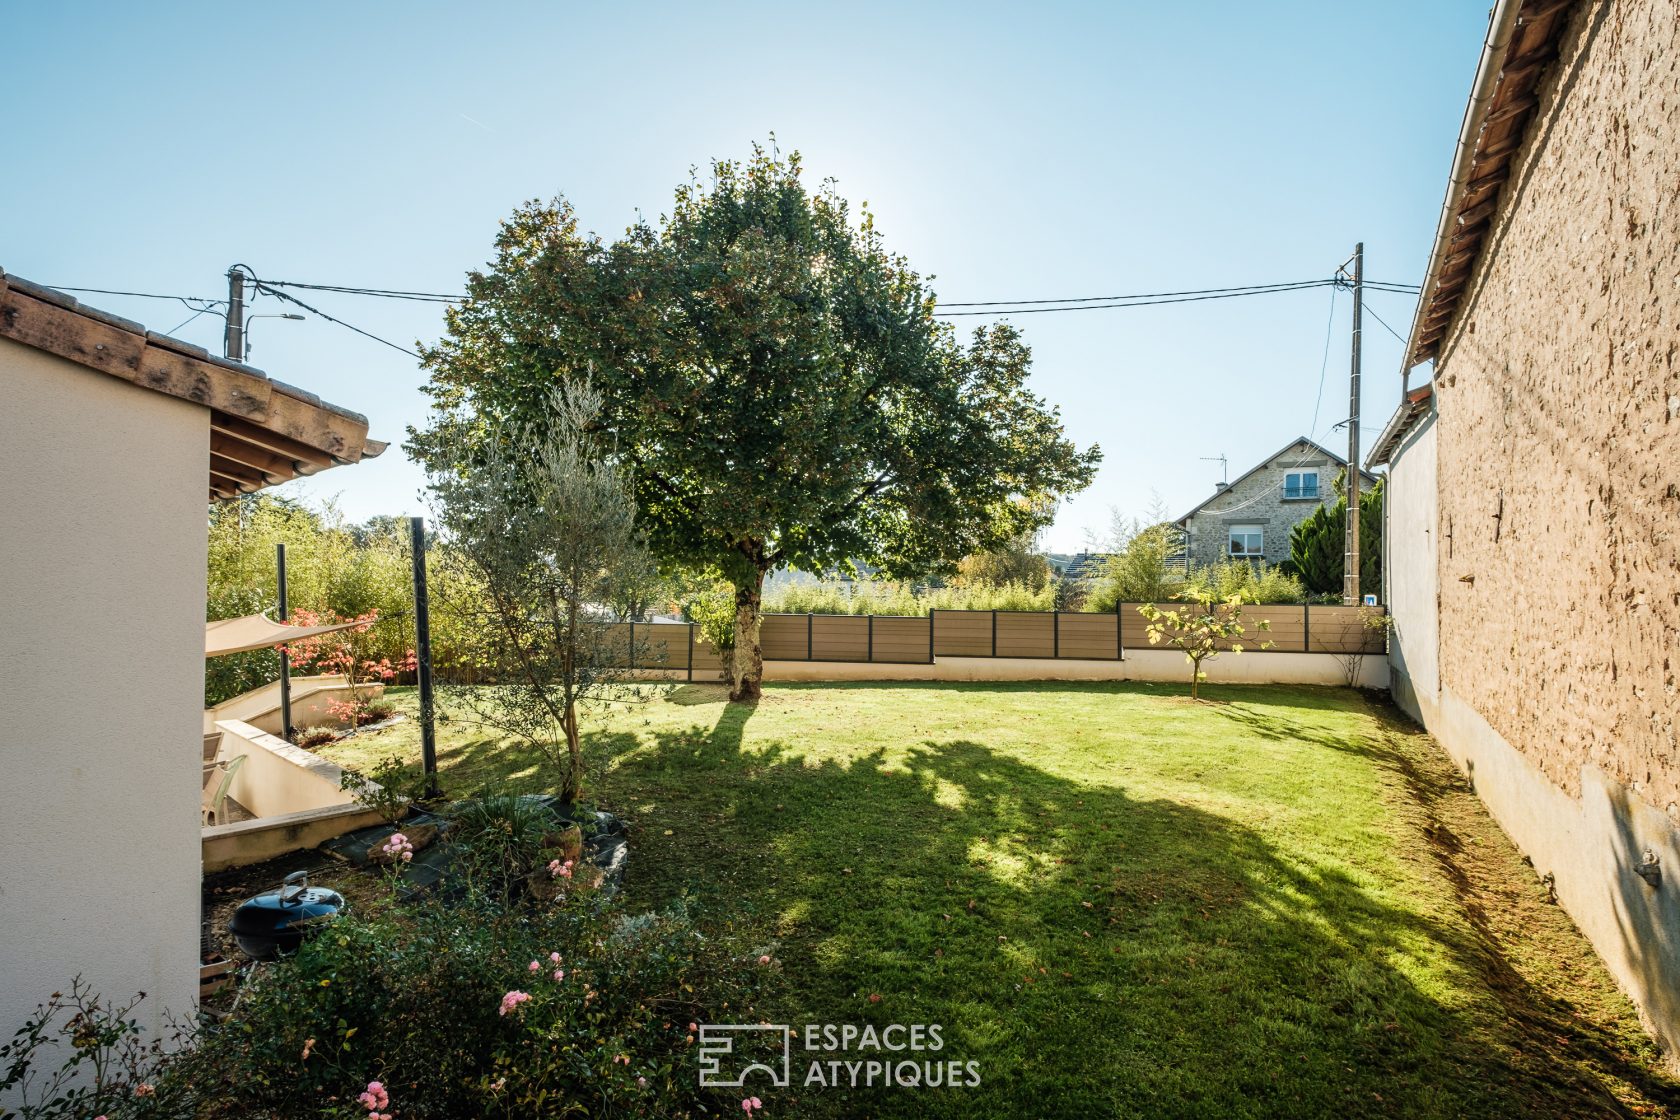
pixel 1558 456
pixel 1559 403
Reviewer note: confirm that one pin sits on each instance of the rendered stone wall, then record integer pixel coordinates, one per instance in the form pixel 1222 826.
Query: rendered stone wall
pixel 102 555
pixel 1559 425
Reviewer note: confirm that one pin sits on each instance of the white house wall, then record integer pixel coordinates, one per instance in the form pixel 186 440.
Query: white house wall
pixel 1410 571
pixel 102 567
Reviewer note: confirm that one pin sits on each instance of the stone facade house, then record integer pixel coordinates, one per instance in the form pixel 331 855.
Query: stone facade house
pixel 1252 517
pixel 1532 514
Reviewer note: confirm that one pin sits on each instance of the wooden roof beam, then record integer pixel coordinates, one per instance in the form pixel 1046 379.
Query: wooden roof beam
pixel 283 446
pixel 257 458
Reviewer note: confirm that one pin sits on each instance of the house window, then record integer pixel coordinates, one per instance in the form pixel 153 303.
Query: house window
pixel 1247 540
pixel 1300 484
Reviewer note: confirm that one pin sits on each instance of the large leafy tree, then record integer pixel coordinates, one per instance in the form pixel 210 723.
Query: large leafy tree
pixel 774 377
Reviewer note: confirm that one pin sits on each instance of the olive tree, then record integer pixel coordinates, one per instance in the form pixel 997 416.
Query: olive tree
pixel 777 376
pixel 545 518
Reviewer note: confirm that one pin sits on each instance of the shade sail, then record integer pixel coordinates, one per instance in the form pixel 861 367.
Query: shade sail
pixel 257 631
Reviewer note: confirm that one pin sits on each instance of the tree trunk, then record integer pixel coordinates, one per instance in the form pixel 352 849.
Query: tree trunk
pixel 572 789
pixel 746 670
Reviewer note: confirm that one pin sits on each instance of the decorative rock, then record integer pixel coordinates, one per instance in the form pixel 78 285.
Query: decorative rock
pixel 419 837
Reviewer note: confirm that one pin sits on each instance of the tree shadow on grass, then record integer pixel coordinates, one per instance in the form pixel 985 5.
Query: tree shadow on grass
pixel 1097 953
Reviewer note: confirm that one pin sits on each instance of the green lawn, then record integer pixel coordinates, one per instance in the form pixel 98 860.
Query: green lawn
pixel 1282 902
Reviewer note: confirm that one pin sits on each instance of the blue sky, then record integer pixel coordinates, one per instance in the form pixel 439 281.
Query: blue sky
pixel 1013 151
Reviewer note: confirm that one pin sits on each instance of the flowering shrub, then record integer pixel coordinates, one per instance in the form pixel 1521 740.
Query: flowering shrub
pixel 79 1056
pixel 446 1012
pixel 347 652
pixel 398 848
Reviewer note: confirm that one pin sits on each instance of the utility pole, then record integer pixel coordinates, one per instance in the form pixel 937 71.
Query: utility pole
pixel 1350 554
pixel 233 339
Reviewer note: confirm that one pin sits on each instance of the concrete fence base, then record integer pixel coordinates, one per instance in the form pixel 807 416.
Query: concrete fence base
pixel 1270 667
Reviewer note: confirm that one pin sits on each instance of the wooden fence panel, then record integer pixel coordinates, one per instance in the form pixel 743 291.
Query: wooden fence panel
pixel 1025 634
pixel 785 637
pixel 900 640
pixel 962 633
pixel 1089 636
pixel 839 637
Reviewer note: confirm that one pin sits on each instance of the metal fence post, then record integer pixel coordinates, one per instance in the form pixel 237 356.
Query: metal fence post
pixel 809 649
pixel 931 654
pixel 994 633
pixel 869 646
pixel 632 644
pixel 423 655
pixel 1055 633
pixel 691 651
pixel 285 654
pixel 1306 627
pixel 1119 631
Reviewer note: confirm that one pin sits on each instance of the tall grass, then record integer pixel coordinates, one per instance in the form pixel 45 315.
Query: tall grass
pixel 890 598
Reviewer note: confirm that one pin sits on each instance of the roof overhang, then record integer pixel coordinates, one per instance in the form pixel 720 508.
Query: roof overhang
pixel 1416 406
pixel 262 431
pixel 1522 40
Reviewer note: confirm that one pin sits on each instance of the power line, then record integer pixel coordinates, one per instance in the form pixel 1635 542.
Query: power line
pixel 383 293
pixel 1385 326
pixel 262 286
pixel 1026 310
pixel 185 301
pixel 188 319
pixel 968 307
pixel 1137 295
pixel 1324 363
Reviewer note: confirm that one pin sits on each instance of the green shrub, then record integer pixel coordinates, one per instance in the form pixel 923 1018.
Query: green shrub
pixel 424 1000
pixel 887 597
pixel 1236 578
pixel 713 614
pixel 498 840
pixel 311 737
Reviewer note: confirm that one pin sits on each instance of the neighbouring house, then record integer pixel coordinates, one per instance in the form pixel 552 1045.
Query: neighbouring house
pixel 112 440
pixel 1533 501
pixel 1251 518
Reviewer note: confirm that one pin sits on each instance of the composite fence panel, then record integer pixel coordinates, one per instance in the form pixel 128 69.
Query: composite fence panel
pixel 1344 630
pixel 786 637
pixel 1088 636
pixel 660 645
pixel 900 640
pixel 962 633
pixel 839 637
pixel 1026 634
pixel 1287 633
pixel 1133 624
